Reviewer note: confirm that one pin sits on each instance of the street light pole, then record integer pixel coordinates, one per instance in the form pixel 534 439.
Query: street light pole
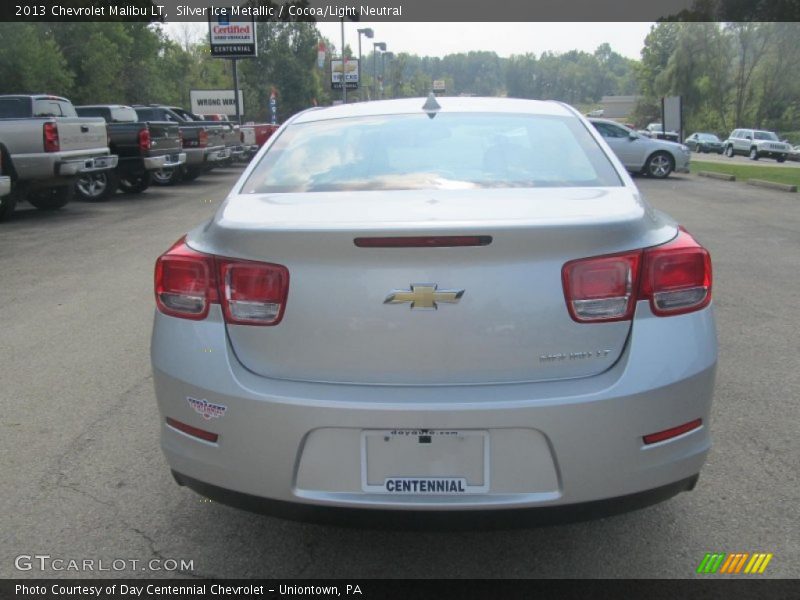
pixel 344 68
pixel 367 32
pixel 375 46
pixel 383 69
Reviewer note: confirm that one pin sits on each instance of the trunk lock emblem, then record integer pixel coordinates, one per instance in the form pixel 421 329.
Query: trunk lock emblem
pixel 424 296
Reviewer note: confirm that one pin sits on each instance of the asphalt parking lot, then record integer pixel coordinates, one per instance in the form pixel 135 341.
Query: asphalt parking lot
pixel 84 478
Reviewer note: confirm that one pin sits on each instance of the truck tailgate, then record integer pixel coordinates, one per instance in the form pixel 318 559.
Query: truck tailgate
pixel 81 133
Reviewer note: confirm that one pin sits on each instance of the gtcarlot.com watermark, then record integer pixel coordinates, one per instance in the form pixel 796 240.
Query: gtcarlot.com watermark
pixel 47 563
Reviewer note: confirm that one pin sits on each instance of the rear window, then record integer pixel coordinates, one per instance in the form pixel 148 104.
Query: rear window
pixel 450 151
pixel 52 107
pixel 15 108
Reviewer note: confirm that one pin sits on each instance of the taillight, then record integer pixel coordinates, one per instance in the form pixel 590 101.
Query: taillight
pixel 675 277
pixel 51 142
pixel 180 138
pixel 253 293
pixel 144 140
pixel 241 136
pixel 202 138
pixel 187 282
pixel 602 288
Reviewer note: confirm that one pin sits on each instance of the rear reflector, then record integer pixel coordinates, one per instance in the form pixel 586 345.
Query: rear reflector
pixel 675 277
pixel 671 433
pixel 441 241
pixel 193 431
pixel 187 282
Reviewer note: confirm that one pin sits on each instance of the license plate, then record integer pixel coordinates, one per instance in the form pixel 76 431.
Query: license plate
pixel 100 163
pixel 425 462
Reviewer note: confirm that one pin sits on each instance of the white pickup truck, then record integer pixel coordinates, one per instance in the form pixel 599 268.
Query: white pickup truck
pixel 45 147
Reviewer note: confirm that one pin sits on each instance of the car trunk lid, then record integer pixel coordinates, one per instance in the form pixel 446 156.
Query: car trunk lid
pixel 509 322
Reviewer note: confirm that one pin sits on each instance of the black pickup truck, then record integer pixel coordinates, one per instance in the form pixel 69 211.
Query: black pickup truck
pixel 142 147
pixel 207 143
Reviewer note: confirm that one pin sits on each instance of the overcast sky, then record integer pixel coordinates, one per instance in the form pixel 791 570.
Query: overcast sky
pixel 439 39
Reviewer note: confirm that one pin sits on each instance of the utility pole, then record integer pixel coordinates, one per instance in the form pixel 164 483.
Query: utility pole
pixel 344 67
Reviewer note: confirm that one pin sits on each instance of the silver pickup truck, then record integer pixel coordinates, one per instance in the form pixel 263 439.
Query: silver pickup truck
pixel 45 147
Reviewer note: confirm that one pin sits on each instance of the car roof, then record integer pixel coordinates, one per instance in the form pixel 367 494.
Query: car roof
pixel 104 106
pixel 447 104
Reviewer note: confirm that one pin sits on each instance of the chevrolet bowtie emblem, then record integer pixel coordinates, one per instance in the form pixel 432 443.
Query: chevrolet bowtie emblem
pixel 424 295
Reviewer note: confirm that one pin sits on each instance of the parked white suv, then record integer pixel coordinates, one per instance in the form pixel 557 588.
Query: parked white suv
pixel 756 144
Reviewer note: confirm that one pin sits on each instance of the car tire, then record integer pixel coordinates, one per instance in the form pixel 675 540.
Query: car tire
pixel 135 184
pixel 753 154
pixel 659 165
pixel 192 173
pixel 51 198
pixel 7 205
pixel 97 187
pixel 781 159
pixel 729 152
pixel 165 176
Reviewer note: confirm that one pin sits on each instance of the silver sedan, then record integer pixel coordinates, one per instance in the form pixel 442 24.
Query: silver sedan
pixel 428 309
pixel 640 154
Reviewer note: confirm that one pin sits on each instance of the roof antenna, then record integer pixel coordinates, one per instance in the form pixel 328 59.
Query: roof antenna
pixel 431 106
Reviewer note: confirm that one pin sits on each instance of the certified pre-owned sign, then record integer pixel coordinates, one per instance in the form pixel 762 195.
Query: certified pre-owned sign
pixel 232 36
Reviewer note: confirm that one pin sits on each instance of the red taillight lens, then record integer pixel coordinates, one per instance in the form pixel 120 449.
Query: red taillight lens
pixel 202 138
pixel 185 282
pixel 677 276
pixel 668 434
pixel 202 434
pixel 51 141
pixel 144 140
pixel 253 293
pixel 601 288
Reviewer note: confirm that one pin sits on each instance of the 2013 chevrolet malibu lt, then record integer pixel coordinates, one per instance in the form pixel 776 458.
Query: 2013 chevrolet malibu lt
pixel 431 309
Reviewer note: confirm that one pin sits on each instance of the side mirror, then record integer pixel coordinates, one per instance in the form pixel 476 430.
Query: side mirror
pixel 748 137
pixel 633 136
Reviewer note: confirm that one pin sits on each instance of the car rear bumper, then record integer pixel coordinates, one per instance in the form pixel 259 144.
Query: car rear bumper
pixel 216 155
pixel 552 444
pixel 418 519
pixel 82 166
pixel 165 161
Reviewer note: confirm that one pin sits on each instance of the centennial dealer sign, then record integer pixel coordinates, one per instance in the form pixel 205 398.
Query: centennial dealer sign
pixel 232 36
pixel 206 102
pixel 344 71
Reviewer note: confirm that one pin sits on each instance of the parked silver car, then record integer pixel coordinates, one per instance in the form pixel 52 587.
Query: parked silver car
pixel 426 309
pixel 640 154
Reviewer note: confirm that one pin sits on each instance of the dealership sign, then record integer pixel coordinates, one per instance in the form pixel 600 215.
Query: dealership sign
pixel 350 70
pixel 232 37
pixel 206 102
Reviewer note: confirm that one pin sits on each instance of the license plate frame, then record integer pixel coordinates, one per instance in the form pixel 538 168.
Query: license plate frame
pixel 453 483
